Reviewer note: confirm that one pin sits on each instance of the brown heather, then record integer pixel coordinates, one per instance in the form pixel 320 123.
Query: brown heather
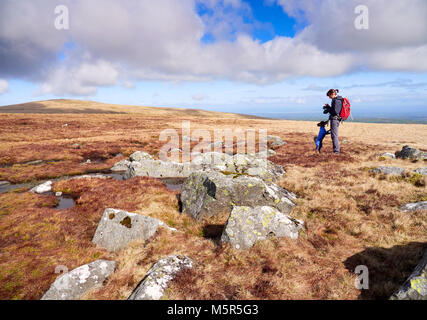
pixel 351 216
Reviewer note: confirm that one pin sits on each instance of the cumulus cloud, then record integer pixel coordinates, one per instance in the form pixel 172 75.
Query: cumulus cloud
pixel 4 86
pixel 131 40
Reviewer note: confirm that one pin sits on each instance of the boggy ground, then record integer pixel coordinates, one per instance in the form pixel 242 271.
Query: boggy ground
pixel 351 216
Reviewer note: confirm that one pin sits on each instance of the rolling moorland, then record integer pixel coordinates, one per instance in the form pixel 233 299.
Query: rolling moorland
pixel 351 215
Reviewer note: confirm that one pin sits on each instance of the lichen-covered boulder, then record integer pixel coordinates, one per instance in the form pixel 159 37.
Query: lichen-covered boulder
pixel 247 225
pixel 158 169
pixel 389 170
pixel 117 228
pixel 408 152
pixel 45 187
pixel 156 281
pixel 212 193
pixel 415 287
pixel 414 206
pixel 121 166
pixel 141 155
pixel 74 284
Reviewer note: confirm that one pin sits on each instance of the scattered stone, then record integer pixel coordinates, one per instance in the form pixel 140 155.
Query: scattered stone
pixel 415 287
pixel 4 183
pixel 422 171
pixel 345 141
pixel 65 125
pixel 45 187
pixel 117 228
pixel 212 193
pixel 58 194
pixel 76 283
pixel 152 287
pixel 121 166
pixel 388 155
pixel 247 225
pixel 141 155
pixel 408 152
pixel 414 206
pixel 88 161
pixel 35 162
pixel 276 141
pixel 389 170
pixel 76 146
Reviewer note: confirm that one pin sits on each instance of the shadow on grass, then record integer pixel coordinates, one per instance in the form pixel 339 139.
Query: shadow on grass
pixel 388 267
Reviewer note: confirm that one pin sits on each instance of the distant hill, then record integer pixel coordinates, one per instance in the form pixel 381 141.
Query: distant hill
pixel 64 106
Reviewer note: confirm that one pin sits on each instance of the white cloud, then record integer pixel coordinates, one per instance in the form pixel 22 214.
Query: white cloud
pixel 131 40
pixel 199 97
pixel 4 86
pixel 82 80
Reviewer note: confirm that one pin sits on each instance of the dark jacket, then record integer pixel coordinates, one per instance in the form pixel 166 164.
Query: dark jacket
pixel 336 106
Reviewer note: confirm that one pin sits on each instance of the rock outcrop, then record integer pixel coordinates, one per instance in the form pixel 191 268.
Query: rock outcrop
pixel 76 283
pixel 156 281
pixel 117 228
pixel 408 152
pixel 422 171
pixel 253 165
pixel 121 166
pixel 414 206
pixel 388 155
pixel 247 225
pixel 212 193
pixel 415 287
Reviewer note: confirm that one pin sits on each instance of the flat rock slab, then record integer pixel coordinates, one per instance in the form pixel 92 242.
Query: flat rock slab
pixel 252 164
pixel 206 194
pixel 389 170
pixel 388 155
pixel 117 228
pixel 415 287
pixel 247 225
pixel 45 187
pixel 414 206
pixel 76 283
pixel 121 166
pixel 152 287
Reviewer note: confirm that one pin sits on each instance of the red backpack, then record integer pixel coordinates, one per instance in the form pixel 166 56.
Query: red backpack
pixel 345 110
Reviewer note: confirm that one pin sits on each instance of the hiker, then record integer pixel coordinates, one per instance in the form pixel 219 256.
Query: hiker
pixel 334 116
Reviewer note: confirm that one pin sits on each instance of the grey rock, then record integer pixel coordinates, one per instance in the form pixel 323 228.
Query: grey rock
pixel 240 164
pixel 212 193
pixel 76 146
pixel 35 162
pixel 388 155
pixel 45 187
pixel 152 287
pixel 389 170
pixel 414 206
pixel 4 183
pixel 117 228
pixel 87 176
pixel 415 287
pixel 276 141
pixel 408 152
pixel 247 225
pixel 422 171
pixel 76 283
pixel 141 155
pixel 121 166
pixel 58 194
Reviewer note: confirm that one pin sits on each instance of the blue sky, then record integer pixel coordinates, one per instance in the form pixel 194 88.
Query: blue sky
pixel 259 57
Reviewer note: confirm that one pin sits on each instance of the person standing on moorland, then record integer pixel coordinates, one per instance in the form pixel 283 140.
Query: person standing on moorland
pixel 334 117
